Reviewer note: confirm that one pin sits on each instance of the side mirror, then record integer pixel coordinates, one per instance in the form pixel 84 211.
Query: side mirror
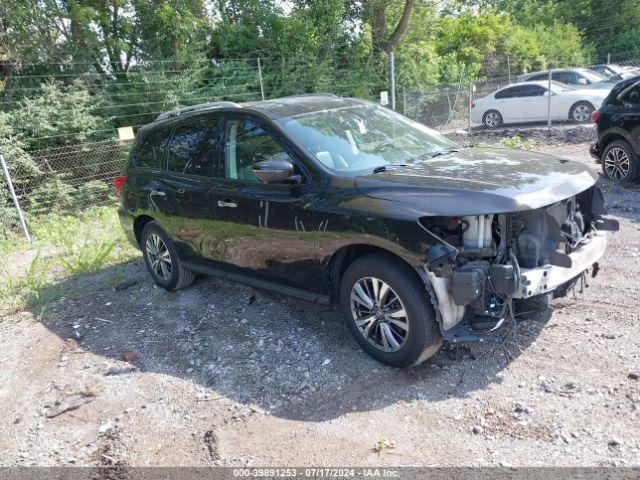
pixel 275 169
pixel 582 81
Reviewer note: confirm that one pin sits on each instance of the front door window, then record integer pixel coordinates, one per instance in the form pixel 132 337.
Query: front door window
pixel 247 144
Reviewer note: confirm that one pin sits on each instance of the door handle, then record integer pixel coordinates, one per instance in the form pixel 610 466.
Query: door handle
pixel 159 193
pixel 227 203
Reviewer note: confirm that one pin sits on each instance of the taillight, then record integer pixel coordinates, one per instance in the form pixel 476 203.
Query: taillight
pixel 595 116
pixel 119 182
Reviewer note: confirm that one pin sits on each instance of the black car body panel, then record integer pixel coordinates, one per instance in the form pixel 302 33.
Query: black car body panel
pixel 297 236
pixel 477 181
pixel 619 119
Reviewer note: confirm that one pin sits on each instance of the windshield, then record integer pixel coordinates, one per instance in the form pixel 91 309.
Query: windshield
pixel 364 137
pixel 593 77
pixel 558 87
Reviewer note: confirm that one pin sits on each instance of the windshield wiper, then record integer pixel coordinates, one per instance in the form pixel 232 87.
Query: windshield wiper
pixel 384 168
pixel 443 152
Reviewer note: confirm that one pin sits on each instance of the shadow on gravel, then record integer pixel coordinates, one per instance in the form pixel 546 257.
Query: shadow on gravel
pixel 294 359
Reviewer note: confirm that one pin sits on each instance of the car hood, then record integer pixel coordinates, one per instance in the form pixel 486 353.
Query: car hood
pixel 476 181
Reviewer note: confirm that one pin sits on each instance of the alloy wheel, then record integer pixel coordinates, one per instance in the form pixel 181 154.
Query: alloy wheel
pixel 582 113
pixel 616 164
pixel 379 314
pixel 492 119
pixel 158 256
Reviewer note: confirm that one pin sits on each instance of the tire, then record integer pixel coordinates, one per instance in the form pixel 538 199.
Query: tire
pixel 492 119
pixel 619 162
pixel 580 112
pixel 404 346
pixel 171 276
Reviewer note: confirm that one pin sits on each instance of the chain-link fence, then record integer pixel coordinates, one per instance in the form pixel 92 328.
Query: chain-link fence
pixel 78 167
pixel 61 180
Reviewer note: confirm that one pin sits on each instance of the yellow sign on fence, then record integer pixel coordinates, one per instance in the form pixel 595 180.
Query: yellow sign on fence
pixel 126 133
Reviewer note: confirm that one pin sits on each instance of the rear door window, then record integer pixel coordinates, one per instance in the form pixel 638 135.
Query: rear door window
pixel 150 149
pixel 633 95
pixel 533 91
pixel 507 93
pixel 193 146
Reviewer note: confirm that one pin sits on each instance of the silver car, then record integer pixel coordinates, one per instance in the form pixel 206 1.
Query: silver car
pixel 575 77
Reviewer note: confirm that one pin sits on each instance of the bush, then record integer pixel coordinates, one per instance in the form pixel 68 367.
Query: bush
pixel 90 194
pixel 56 116
pixel 52 196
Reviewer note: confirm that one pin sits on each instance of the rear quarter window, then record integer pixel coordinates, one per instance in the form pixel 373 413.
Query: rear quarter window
pixel 149 150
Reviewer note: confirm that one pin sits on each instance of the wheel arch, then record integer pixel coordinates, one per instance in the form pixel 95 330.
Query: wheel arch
pixel 139 224
pixel 339 261
pixel 612 137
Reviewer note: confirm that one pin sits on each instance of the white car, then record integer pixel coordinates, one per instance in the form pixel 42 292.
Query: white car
pixel 529 102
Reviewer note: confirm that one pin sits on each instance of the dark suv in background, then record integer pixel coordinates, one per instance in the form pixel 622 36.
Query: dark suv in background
pixel 342 201
pixel 618 125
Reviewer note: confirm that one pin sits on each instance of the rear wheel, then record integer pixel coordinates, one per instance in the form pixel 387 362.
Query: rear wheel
pixel 387 310
pixel 492 119
pixel 581 112
pixel 162 260
pixel 619 162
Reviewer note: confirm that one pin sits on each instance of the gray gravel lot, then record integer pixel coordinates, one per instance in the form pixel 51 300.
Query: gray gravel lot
pixel 224 374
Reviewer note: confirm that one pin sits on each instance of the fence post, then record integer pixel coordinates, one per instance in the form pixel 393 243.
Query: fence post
pixel 260 77
pixel 14 197
pixel 393 80
pixel 469 106
pixel 404 101
pixel 608 58
pixel 509 68
pixel 549 102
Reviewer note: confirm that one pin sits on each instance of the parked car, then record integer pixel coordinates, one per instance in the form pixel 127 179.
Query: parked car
pixel 614 73
pixel 529 102
pixel 342 201
pixel 573 77
pixel 618 125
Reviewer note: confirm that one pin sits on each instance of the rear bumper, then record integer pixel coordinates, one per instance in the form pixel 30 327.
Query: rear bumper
pixel 595 150
pixel 126 221
pixel 536 281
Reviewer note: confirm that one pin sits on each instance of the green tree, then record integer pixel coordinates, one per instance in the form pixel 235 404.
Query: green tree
pixel 56 116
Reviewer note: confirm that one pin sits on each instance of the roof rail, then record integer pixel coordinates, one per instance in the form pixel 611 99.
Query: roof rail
pixel 202 106
pixel 319 94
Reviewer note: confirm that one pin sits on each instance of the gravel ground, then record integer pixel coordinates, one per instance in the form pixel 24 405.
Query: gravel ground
pixel 223 374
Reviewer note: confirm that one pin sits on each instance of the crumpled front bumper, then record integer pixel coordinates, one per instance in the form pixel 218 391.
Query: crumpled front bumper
pixel 536 281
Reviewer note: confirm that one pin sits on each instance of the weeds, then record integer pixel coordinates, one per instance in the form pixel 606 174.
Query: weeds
pixel 25 287
pixel 87 257
pixel 517 142
pixel 66 246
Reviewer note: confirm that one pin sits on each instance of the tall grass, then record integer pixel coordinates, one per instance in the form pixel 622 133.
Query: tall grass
pixel 64 246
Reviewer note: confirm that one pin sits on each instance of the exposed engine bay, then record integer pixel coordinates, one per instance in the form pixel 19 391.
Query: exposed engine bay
pixel 484 264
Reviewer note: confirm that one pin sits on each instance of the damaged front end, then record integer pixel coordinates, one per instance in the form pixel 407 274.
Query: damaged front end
pixel 482 267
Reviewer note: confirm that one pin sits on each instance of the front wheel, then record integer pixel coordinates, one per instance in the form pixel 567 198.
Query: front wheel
pixel 162 260
pixel 581 112
pixel 387 309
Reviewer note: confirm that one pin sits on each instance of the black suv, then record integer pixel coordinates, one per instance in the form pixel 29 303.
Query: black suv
pixel 618 124
pixel 345 202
